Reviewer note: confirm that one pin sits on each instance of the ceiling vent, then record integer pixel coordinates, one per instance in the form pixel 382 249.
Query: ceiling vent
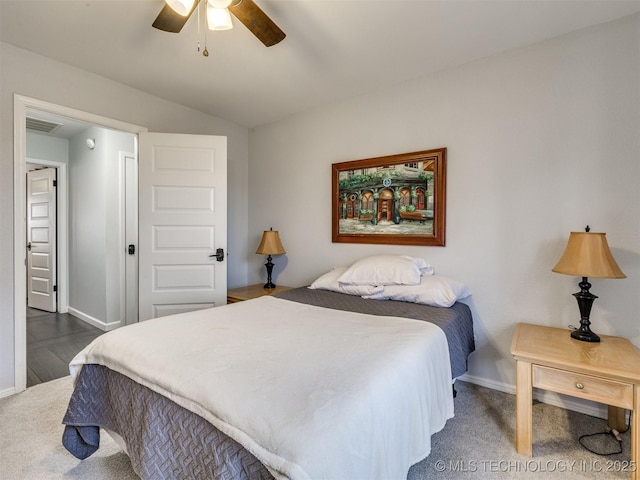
pixel 42 126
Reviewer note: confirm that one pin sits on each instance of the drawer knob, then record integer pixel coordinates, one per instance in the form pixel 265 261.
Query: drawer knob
pixel 579 386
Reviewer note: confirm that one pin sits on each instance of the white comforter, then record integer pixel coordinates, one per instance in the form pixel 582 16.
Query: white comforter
pixel 313 393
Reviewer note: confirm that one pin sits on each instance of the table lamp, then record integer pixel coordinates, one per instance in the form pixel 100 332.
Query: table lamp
pixel 270 245
pixel 587 255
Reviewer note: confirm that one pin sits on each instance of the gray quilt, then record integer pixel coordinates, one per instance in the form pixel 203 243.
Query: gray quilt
pixel 166 441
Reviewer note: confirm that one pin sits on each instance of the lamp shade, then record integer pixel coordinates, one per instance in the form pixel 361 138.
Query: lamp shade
pixel 270 244
pixel 587 255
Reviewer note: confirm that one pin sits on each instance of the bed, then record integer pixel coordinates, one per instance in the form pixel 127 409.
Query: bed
pixel 310 384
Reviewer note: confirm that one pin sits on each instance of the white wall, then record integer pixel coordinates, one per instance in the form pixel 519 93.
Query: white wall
pixel 541 141
pixel 44 147
pixel 34 76
pixel 96 232
pixel 87 225
pixel 114 245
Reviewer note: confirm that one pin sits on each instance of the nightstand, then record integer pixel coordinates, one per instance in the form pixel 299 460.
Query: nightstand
pixel 606 372
pixel 241 294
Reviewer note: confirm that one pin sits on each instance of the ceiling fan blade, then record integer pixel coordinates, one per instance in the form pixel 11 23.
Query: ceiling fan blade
pixel 170 21
pixel 257 22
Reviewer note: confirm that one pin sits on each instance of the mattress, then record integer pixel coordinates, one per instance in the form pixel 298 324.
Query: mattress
pixel 163 429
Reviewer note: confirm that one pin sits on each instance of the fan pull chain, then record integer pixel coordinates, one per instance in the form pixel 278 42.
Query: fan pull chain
pixel 205 52
pixel 198 27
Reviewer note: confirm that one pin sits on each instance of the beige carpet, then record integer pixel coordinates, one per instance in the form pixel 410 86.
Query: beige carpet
pixel 31 440
pixel 479 443
pixel 476 444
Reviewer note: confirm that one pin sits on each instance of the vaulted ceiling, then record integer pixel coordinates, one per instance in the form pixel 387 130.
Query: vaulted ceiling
pixel 334 49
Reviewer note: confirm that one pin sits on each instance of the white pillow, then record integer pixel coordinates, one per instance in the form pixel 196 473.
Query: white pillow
pixel 433 290
pixel 386 270
pixel 427 269
pixel 329 281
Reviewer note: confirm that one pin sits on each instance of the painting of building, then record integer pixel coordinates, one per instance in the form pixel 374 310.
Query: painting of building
pixel 387 199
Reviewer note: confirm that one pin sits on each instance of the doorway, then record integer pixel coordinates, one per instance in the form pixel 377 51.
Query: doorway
pixel 41 239
pixel 182 193
pixel 99 217
pixel 385 205
pixel 81 216
pixel 60 252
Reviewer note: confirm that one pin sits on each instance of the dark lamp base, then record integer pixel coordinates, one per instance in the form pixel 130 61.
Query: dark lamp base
pixel 269 266
pixel 585 300
pixel 585 335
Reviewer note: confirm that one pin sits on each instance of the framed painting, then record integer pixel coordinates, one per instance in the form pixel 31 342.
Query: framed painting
pixel 394 200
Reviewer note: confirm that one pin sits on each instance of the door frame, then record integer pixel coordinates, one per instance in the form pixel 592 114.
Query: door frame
pixel 20 106
pixel 129 279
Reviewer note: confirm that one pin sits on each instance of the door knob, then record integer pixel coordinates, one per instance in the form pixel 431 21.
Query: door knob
pixel 219 255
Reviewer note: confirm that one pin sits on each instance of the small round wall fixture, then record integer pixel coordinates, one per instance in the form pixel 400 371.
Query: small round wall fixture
pixel 91 143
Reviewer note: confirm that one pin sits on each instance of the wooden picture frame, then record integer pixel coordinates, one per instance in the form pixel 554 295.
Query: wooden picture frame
pixel 394 200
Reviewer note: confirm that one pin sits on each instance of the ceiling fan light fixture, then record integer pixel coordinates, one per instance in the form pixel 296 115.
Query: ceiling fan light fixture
pixel 218 18
pixel 181 7
pixel 219 3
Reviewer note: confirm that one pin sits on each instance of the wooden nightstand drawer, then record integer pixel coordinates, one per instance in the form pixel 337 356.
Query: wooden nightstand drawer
pixel 598 389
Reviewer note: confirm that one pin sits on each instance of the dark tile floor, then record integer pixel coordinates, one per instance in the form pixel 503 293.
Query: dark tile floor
pixel 53 339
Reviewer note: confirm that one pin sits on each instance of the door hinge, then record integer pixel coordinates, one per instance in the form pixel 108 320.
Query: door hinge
pixel 55 288
pixel 55 183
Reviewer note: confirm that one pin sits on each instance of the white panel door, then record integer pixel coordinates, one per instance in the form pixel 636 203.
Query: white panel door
pixel 182 222
pixel 41 240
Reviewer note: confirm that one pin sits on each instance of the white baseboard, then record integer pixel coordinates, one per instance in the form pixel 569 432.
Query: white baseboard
pixel 485 382
pixel 94 321
pixel 7 392
pixel 569 403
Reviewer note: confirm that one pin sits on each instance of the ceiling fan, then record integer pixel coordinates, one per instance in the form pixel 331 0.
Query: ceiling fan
pixel 175 14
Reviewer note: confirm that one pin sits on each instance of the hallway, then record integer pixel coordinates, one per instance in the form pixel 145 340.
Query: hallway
pixel 53 339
